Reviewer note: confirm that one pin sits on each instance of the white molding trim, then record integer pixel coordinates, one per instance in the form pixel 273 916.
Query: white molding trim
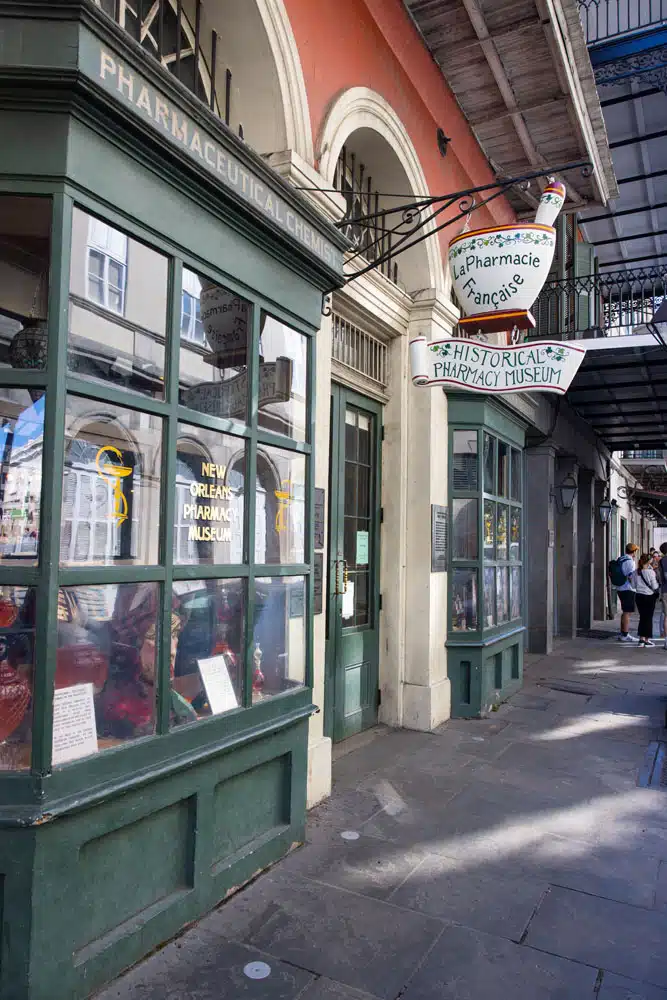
pixel 290 76
pixel 361 107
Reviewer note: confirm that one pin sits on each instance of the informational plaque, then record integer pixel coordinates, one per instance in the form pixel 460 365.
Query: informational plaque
pixel 218 684
pixel 318 581
pixel 362 548
pixel 318 519
pixel 439 538
pixel 74 727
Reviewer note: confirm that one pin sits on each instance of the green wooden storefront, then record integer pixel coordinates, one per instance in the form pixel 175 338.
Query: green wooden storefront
pixel 485 635
pixel 155 532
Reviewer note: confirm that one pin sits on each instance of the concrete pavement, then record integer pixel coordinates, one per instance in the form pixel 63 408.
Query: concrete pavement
pixel 515 856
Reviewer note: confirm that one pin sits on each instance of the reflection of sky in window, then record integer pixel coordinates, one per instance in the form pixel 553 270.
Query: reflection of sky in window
pixel 29 425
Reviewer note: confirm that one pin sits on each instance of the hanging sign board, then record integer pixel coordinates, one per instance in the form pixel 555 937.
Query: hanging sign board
pixel 499 272
pixel 229 398
pixel 468 364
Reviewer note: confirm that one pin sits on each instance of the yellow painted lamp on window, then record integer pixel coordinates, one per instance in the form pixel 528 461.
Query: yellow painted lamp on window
pixel 284 498
pixel 113 473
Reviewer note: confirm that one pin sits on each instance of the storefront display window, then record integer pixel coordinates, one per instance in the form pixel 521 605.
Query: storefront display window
pixel 21 443
pixel 464 529
pixel 111 485
pixel 117 308
pixel 283 372
pixel 464 460
pixel 149 491
pixel 499 567
pixel 17 659
pixel 464 600
pixel 25 239
pixel 105 681
pixel 216 328
pixel 279 636
pixel 280 513
pixel 210 493
pixel 208 623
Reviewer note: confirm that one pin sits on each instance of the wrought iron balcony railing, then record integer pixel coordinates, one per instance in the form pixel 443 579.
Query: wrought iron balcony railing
pixel 611 304
pixel 181 46
pixel 605 19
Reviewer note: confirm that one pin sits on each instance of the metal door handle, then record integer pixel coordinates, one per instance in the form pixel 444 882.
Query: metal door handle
pixel 345 576
pixel 337 590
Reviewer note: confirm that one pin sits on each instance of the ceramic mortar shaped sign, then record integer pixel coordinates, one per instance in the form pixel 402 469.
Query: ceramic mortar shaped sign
pixel 543 365
pixel 224 316
pixel 499 272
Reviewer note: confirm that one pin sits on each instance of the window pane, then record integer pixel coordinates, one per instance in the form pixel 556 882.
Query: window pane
pixel 464 529
pixel 489 596
pixel 503 469
pixel 503 594
pixel 25 238
pixel 280 526
pixel 117 308
pixel 283 370
pixel 210 485
pixel 111 485
pixel 489 529
pixel 516 474
pixel 464 454
pixel 21 442
pixel 279 636
pixel 208 648
pixel 464 600
pixel 515 535
pixel 105 667
pixel 515 592
pixel 501 531
pixel 214 353
pixel 17 660
pixel 489 464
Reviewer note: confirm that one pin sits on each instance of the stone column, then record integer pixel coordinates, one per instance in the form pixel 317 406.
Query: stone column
pixel 600 558
pixel 426 686
pixel 539 548
pixel 566 555
pixel 585 537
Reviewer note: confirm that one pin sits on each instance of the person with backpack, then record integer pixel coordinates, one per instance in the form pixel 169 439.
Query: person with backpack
pixel 661 573
pixel 622 576
pixel 646 596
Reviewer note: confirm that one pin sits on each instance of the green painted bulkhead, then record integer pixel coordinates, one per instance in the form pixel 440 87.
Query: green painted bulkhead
pixel 485 659
pixel 103 859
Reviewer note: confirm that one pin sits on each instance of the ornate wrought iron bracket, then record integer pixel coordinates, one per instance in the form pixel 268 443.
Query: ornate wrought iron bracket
pixel 381 236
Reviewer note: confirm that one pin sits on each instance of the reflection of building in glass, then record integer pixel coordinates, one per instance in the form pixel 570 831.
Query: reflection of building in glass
pixel 21 440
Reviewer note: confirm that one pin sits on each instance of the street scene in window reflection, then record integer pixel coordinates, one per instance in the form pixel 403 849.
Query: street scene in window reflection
pixel 216 331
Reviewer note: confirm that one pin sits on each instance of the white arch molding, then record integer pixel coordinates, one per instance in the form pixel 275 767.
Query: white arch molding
pixel 290 76
pixel 361 107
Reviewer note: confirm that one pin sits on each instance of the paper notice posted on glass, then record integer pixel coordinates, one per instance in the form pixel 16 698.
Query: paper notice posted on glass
pixel 218 684
pixel 74 726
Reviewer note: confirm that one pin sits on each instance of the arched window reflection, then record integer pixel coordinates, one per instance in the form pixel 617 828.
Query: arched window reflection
pixel 280 506
pixel 111 485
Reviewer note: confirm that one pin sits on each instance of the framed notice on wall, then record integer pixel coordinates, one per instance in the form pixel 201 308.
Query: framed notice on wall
pixel 439 538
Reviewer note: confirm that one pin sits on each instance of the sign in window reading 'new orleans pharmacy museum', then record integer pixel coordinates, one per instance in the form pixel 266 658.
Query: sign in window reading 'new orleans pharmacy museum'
pixel 469 364
pixel 149 104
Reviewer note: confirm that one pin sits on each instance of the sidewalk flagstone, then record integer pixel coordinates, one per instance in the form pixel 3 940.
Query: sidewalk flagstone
pixel 495 859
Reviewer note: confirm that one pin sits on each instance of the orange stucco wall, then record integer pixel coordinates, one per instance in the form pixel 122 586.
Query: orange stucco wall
pixel 374 43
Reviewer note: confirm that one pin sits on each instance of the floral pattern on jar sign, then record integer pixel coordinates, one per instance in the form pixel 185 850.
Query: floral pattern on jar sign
pixel 502 240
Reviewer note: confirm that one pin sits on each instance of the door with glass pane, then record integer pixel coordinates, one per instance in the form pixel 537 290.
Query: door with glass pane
pixel 354 535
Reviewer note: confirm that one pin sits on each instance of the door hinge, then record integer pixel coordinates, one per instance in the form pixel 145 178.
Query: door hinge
pixel 379 697
pixel 381 515
pixel 379 602
pixel 382 433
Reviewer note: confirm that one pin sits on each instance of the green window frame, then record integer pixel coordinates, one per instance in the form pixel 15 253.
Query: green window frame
pixel 47 577
pixel 487 526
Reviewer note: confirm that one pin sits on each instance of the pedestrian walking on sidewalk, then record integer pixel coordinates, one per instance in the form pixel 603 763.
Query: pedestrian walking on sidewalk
pixel 622 575
pixel 646 596
pixel 661 573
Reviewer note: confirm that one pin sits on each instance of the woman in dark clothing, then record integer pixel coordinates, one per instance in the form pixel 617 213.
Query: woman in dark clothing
pixel 646 596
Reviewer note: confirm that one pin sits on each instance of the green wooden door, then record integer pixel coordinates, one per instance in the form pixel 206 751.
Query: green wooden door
pixel 354 564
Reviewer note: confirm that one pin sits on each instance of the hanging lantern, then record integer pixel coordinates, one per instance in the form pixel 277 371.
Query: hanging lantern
pixel 29 346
